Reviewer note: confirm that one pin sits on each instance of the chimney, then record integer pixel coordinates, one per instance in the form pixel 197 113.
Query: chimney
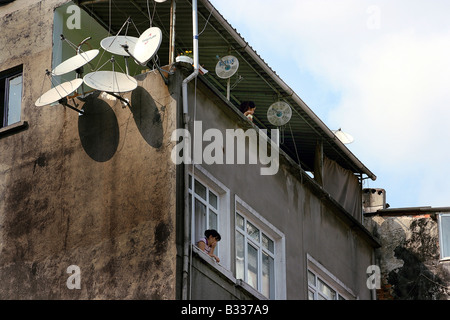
pixel 373 199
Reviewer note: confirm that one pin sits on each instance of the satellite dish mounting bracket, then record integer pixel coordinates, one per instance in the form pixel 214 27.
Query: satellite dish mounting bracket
pixel 166 81
pixel 64 102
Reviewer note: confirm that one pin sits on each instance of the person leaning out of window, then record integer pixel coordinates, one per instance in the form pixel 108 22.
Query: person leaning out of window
pixel 208 243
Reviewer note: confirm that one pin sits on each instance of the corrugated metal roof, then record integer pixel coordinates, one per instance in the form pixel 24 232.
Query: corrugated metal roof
pixel 259 82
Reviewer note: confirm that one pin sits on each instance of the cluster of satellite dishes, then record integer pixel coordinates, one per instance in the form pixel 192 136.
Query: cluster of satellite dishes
pixel 141 49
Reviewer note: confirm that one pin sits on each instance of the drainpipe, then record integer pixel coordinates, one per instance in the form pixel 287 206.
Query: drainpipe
pixel 187 218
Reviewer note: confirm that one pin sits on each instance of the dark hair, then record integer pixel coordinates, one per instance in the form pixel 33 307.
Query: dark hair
pixel 214 233
pixel 246 105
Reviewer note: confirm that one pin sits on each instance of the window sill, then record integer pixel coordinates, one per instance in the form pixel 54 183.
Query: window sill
pixel 227 273
pixel 13 128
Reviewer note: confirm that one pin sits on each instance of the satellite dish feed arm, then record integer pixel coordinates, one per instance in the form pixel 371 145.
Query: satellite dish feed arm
pixel 125 47
pixel 81 43
pixel 120 98
pixel 63 101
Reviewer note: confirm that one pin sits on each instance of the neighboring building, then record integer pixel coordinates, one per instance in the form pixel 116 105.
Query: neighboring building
pixel 101 191
pixel 415 249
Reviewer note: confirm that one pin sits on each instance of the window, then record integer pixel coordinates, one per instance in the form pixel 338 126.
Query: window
pixel 318 289
pixel 10 96
pixel 322 285
pixel 209 208
pixel 259 252
pixel 444 235
pixel 205 208
pixel 255 257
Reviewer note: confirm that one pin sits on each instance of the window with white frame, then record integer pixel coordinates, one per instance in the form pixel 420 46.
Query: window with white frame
pixel 205 205
pixel 318 289
pixel 255 254
pixel 209 208
pixel 10 96
pixel 259 252
pixel 444 235
pixel 322 285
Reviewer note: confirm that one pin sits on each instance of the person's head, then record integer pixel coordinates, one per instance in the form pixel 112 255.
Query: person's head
pixel 248 106
pixel 212 234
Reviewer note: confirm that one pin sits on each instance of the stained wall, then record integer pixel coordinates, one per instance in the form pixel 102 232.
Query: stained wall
pixel 95 190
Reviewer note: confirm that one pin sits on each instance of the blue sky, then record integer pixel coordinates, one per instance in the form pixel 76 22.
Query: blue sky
pixel 379 69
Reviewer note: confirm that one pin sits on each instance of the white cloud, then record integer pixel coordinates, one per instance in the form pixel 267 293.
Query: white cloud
pixel 387 64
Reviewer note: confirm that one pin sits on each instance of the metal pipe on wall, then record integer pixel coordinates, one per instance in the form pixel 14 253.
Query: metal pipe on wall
pixel 187 218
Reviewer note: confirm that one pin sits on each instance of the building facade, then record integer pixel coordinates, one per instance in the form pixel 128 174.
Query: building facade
pixel 96 204
pixel 413 257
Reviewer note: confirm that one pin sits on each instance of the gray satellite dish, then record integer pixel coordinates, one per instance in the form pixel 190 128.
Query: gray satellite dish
pixel 75 62
pixel 110 81
pixel 279 113
pixel 115 44
pixel 227 67
pixel 59 92
pixel 344 137
pixel 147 45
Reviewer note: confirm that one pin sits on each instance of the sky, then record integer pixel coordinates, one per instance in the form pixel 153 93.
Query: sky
pixel 379 70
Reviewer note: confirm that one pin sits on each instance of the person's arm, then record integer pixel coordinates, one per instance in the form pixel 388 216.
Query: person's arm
pixel 211 253
pixel 201 245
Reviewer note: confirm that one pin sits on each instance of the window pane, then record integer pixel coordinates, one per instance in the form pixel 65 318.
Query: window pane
pixel 14 99
pixel 213 200
pixel 267 276
pixel 200 219
pixel 326 290
pixel 445 229
pixel 252 266
pixel 239 221
pixel 311 278
pixel 200 189
pixel 212 220
pixel 310 295
pixel 190 182
pixel 253 232
pixel 240 256
pixel 267 243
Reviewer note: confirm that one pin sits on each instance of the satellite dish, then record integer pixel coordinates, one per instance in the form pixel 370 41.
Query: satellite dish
pixel 75 62
pixel 110 81
pixel 59 92
pixel 279 113
pixel 227 67
pixel 114 44
pixel 343 136
pixel 147 45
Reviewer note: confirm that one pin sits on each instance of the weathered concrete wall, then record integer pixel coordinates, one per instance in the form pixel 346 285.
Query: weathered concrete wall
pixel 96 191
pixel 310 225
pixel 409 257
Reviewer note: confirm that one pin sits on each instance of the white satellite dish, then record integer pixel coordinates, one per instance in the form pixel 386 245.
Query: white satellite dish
pixel 147 45
pixel 227 67
pixel 59 92
pixel 279 113
pixel 110 81
pixel 75 62
pixel 115 44
pixel 343 136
